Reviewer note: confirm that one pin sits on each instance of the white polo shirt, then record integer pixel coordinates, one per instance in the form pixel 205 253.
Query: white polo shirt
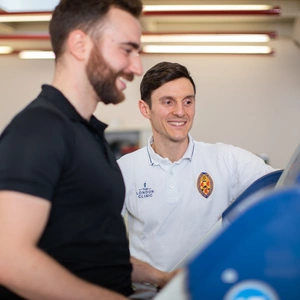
pixel 172 205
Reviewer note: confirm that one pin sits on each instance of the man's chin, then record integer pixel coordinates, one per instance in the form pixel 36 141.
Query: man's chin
pixel 116 100
pixel 179 139
pixel 120 98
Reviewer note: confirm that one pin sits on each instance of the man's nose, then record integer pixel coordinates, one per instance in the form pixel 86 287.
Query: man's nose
pixel 136 65
pixel 179 110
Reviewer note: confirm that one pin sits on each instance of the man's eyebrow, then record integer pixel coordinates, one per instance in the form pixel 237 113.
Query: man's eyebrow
pixel 133 45
pixel 173 98
pixel 191 96
pixel 166 97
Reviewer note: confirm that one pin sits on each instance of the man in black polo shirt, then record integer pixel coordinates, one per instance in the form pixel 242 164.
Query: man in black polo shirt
pixel 61 191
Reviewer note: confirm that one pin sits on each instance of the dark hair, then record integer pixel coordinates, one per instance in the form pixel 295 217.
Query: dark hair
pixel 69 15
pixel 160 74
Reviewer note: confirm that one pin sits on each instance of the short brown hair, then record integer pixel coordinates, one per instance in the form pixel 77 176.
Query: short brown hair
pixel 160 74
pixel 69 15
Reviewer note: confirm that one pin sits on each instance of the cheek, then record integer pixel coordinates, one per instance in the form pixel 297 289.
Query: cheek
pixel 159 116
pixel 157 120
pixel 162 117
pixel 111 58
pixel 118 60
pixel 191 113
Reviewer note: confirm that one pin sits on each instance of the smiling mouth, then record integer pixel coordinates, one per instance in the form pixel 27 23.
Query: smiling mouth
pixel 123 82
pixel 122 79
pixel 126 77
pixel 177 123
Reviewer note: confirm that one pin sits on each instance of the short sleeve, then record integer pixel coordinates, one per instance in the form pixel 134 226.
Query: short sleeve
pixel 248 168
pixel 33 151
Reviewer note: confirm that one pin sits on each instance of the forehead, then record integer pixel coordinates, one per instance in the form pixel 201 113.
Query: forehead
pixel 181 87
pixel 120 26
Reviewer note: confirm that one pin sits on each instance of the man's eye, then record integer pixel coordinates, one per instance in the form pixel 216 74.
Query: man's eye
pixel 188 102
pixel 127 50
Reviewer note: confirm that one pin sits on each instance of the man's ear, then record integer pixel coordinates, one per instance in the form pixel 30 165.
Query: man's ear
pixel 78 44
pixel 144 109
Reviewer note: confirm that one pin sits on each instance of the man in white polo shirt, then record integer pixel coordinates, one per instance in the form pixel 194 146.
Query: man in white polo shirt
pixel 177 188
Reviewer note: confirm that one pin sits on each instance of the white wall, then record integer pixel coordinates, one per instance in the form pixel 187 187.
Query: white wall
pixel 248 101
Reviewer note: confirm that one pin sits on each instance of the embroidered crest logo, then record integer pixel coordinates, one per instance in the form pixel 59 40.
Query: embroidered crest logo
pixel 205 184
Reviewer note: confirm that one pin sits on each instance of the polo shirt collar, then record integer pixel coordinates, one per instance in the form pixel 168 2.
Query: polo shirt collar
pixel 59 100
pixel 156 159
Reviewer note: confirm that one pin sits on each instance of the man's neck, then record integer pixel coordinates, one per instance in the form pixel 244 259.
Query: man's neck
pixel 78 92
pixel 173 150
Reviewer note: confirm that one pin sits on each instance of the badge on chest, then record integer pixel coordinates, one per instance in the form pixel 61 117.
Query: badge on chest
pixel 205 184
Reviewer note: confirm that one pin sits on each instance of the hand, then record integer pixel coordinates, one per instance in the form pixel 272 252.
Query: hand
pixel 165 277
pixel 143 272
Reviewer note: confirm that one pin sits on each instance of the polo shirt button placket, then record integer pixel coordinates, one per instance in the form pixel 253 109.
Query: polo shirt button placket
pixel 171 184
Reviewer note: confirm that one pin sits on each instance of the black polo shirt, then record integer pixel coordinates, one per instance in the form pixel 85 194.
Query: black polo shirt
pixel 50 151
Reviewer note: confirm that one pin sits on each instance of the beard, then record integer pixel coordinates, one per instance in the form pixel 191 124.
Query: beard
pixel 103 78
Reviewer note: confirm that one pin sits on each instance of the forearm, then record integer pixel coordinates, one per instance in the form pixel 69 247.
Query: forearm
pixel 34 275
pixel 143 272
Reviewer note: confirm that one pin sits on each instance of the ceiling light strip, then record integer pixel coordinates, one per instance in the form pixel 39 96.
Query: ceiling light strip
pixel 156 10
pixel 207 49
pixel 6 49
pixel 204 7
pixel 36 55
pixel 205 38
pixel 148 37
pixel 161 49
pixel 25 17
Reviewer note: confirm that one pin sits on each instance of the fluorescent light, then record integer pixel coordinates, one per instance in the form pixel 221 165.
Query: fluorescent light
pixel 147 8
pixel 5 49
pixel 25 18
pixel 46 16
pixel 36 55
pixel 208 49
pixel 194 38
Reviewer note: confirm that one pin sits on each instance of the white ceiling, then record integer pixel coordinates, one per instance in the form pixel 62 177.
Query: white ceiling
pixel 284 25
